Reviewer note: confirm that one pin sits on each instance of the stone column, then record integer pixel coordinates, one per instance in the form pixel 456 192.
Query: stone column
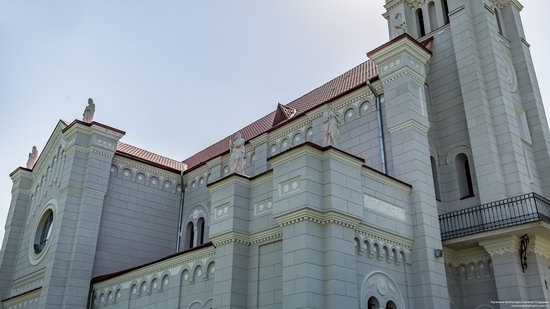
pixel 230 200
pixel 15 225
pixel 401 66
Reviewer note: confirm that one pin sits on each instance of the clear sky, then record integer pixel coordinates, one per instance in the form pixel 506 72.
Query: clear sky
pixel 179 75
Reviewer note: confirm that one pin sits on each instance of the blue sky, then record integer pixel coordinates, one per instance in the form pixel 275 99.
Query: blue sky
pixel 180 75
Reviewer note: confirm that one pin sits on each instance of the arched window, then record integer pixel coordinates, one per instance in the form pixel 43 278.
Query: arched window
pixel 433 16
pixel 464 176
pixel 190 232
pixel 435 178
pixel 390 305
pixel 420 23
pixel 445 7
pixel 373 303
pixel 200 229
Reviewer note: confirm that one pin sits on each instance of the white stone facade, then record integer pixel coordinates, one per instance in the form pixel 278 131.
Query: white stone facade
pixel 460 219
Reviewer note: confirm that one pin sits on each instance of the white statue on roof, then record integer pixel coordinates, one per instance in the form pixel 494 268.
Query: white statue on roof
pixel 88 115
pixel 236 156
pixel 33 156
pixel 332 128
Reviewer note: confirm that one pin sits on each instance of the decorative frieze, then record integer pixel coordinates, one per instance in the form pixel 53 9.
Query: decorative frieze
pixel 157 276
pixel 141 174
pixel 263 207
pixel 267 235
pixel 222 211
pixel 382 207
pixel 27 283
pixel 289 186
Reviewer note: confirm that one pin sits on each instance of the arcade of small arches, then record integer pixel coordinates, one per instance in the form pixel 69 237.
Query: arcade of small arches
pixel 426 18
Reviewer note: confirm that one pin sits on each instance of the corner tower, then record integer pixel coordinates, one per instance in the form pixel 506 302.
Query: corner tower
pixel 489 145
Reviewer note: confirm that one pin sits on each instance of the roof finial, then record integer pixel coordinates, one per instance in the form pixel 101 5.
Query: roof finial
pixel 88 115
pixel 33 156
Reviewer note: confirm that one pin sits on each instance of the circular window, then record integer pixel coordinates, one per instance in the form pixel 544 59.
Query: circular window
pixel 43 232
pixel 42 235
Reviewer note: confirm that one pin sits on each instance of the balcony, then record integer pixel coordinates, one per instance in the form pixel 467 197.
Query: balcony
pixel 509 212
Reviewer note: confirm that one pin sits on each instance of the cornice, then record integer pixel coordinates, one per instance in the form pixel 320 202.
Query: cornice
pixel 539 246
pixel 267 235
pixel 122 162
pixel 316 216
pixel 160 267
pixel 501 245
pixel 399 45
pixel 515 3
pixel 466 256
pixel 229 180
pixel 409 123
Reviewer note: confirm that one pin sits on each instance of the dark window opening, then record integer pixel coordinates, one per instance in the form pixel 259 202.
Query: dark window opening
pixel 190 231
pixel 436 179
pixel 464 176
pixel 445 11
pixel 420 20
pixel 200 224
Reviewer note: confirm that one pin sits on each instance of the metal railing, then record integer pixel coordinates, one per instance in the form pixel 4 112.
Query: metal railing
pixel 512 211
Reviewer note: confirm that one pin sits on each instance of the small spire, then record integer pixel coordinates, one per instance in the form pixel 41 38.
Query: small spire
pixel 33 156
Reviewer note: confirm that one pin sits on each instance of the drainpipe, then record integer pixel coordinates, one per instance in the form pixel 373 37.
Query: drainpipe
pixel 380 127
pixel 180 213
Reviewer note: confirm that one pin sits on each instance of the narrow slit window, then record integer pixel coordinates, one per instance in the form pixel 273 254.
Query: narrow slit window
pixel 464 176
pixel 420 23
pixel 445 7
pixel 436 179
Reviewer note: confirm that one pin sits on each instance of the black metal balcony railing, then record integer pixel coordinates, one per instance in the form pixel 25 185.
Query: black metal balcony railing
pixel 512 211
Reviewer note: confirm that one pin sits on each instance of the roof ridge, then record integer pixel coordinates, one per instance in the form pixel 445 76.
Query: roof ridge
pixel 149 156
pixel 339 85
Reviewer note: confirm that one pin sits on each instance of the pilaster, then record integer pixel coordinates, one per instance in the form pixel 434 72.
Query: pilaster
pixel 310 184
pixel 401 65
pixel 487 85
pixel 529 91
pixel 15 225
pixel 230 199
pixel 89 155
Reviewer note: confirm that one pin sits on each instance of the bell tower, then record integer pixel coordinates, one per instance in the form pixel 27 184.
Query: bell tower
pixel 417 18
pixel 489 141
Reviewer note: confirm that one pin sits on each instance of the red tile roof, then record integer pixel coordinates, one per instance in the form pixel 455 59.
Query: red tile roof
pixel 139 154
pixel 341 85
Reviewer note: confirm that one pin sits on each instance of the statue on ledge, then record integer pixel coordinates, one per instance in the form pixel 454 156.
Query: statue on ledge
pixel 33 156
pixel 236 157
pixel 332 128
pixel 88 115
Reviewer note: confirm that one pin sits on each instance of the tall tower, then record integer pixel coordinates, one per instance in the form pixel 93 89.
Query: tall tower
pixel 489 145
